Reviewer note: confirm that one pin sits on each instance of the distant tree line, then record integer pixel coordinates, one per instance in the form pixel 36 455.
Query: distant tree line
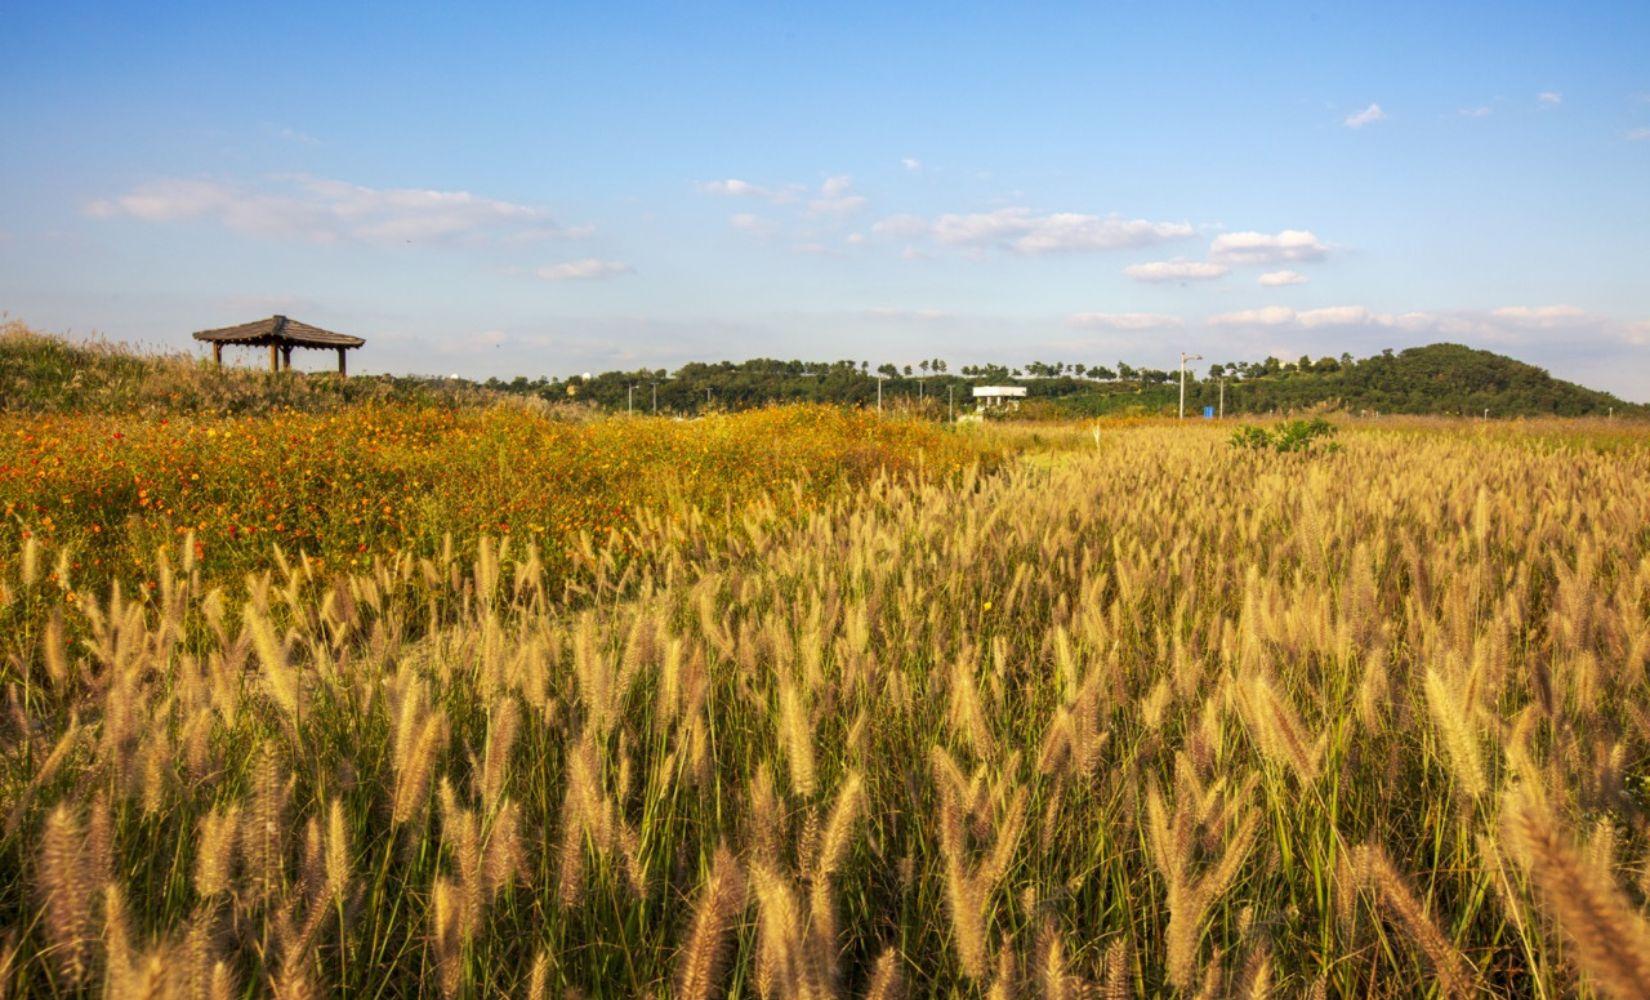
pixel 1441 378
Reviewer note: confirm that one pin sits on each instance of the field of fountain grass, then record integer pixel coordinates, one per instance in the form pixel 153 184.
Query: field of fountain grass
pixel 1163 718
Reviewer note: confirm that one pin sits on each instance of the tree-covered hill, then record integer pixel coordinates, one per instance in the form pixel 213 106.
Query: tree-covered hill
pixel 1440 378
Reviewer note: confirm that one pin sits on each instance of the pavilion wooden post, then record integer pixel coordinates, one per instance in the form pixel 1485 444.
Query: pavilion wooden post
pixel 343 369
pixel 286 356
pixel 217 354
pixel 274 357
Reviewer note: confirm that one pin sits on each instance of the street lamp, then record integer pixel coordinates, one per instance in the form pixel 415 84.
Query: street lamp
pixel 1184 357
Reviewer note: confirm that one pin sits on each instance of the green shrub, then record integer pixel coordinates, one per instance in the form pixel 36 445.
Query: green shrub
pixel 1289 436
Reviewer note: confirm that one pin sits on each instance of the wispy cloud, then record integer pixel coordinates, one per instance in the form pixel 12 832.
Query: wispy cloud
pixel 1161 271
pixel 1638 134
pixel 1359 119
pixel 588 269
pixel 1275 279
pixel 1022 231
pixel 1481 111
pixel 748 222
pixel 733 187
pixel 911 163
pixel 1267 248
pixel 1123 322
pixel 836 197
pixel 1513 324
pixel 330 211
pixel 1549 98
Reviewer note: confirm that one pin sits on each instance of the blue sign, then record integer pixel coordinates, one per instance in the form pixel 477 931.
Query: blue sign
pixel 1208 413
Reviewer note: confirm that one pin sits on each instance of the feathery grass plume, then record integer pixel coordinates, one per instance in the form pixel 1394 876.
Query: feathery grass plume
pixel 839 828
pixel 282 681
pixel 798 738
pixel 215 851
pixel 30 560
pixel 1454 726
pixel 965 897
pixel 538 978
pixel 501 739
pixel 505 859
pixel 1255 981
pixel 1052 977
pixel 1277 729
pixel 337 853
pixel 122 978
pixel 415 761
pixel 68 889
pixel 53 651
pixel 1117 985
pixel 447 933
pixel 887 982
pixel 1610 935
pixel 570 860
pixel 701 964
pixel 1005 980
pixel 1453 970
pixel 783 966
pixel 263 832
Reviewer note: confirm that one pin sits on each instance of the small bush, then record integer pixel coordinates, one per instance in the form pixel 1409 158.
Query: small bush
pixel 1289 436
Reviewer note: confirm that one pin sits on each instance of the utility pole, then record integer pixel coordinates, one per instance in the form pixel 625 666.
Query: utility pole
pixel 1223 397
pixel 879 393
pixel 655 399
pixel 629 401
pixel 1184 357
pixel 951 403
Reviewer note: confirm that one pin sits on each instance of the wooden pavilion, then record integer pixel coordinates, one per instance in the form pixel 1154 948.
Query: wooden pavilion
pixel 280 335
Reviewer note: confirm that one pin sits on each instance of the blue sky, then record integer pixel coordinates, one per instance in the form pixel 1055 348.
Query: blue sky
pixel 542 190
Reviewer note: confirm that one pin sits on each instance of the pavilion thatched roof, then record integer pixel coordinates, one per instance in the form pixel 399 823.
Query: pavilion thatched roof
pixel 278 330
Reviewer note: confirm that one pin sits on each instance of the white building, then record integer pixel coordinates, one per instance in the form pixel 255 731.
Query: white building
pixel 999 395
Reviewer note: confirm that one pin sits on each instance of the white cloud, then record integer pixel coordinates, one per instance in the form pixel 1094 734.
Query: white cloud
pixel 1638 134
pixel 1176 270
pixel 1020 230
pixel 733 187
pixel 330 211
pixel 1503 325
pixel 1267 248
pixel 836 197
pixel 903 226
pixel 588 269
pixel 1274 279
pixel 1482 111
pixel 1123 321
pixel 1359 119
pixel 911 163
pixel 1265 316
pixel 1540 316
pixel 1550 98
pixel 756 225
